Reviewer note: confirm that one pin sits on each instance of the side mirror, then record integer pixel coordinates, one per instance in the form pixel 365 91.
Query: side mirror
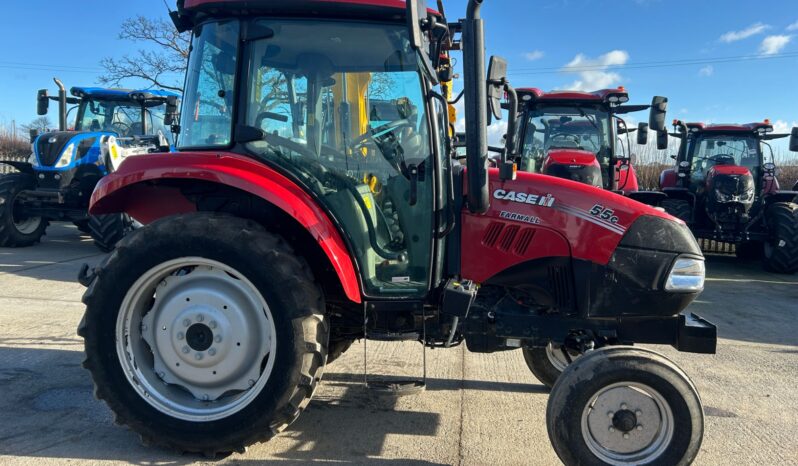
pixel 497 74
pixel 642 134
pixel 659 110
pixel 794 140
pixel 416 12
pixel 662 140
pixel 170 117
pixel 42 102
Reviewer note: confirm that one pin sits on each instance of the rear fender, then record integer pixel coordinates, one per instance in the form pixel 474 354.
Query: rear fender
pixel 149 187
pixel 681 194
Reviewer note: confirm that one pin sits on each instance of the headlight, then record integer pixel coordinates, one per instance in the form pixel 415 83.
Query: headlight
pixel 686 275
pixel 66 157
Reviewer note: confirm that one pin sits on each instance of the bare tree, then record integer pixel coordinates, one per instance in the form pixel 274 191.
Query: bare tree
pixel 163 63
pixel 41 124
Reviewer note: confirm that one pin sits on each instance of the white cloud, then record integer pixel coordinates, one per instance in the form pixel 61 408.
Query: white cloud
pixel 496 132
pixel 752 30
pixel 772 45
pixel 706 71
pixel 783 127
pixel 593 72
pixel 793 26
pixel 534 55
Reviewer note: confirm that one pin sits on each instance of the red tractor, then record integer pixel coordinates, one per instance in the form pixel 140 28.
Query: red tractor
pixel 579 136
pixel 724 186
pixel 315 201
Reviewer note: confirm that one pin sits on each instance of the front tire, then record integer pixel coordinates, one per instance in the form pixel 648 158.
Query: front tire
pixel 781 252
pixel 108 230
pixel 623 405
pixel 227 352
pixel 16 229
pixel 678 208
pixel 547 364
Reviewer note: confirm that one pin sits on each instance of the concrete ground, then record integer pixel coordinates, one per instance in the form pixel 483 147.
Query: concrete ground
pixel 478 409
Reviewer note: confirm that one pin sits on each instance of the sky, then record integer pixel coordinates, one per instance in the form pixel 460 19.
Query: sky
pixel 722 62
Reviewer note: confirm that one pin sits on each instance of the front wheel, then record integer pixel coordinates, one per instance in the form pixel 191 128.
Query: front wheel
pixel 204 333
pixel 781 251
pixel 678 208
pixel 548 363
pixel 108 230
pixel 17 229
pixel 624 406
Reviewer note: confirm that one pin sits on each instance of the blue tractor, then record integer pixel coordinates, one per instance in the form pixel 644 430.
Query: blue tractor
pixel 55 184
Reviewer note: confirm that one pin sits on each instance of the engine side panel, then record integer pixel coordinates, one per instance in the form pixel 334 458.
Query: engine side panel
pixel 546 217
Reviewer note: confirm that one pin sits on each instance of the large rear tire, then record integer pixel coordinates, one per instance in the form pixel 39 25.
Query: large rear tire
pixel 678 208
pixel 108 230
pixel 16 229
pixel 781 251
pixel 622 405
pixel 227 352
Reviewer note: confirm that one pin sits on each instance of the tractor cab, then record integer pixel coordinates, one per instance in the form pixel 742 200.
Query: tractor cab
pixel 581 135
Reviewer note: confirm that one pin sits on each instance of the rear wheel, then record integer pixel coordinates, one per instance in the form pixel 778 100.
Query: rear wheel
pixel 108 230
pixel 83 226
pixel 679 208
pixel 547 364
pixel 622 406
pixel 204 333
pixel 781 251
pixel 16 228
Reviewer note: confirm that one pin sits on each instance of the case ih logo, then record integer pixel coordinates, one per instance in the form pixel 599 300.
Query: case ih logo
pixel 546 200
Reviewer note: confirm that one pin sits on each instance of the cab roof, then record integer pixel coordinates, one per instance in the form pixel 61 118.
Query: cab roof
pixel 367 9
pixel 98 93
pixel 602 96
pixel 760 127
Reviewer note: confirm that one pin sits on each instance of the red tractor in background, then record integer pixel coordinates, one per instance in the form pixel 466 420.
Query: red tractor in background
pixel 724 186
pixel 578 136
pixel 315 201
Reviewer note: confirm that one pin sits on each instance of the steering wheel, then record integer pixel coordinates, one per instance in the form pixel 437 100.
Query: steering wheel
pixel 122 129
pixel 374 133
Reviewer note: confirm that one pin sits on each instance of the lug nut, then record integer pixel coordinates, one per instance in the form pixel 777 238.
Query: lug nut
pixel 205 397
pixel 198 356
pixel 218 339
pixel 251 383
pixel 143 328
pixel 638 413
pixel 186 349
pixel 623 406
pixel 640 427
pixel 161 374
pixel 212 324
pixel 625 435
pixel 610 414
pixel 186 323
pixel 212 352
pixel 180 335
pixel 612 429
pixel 200 318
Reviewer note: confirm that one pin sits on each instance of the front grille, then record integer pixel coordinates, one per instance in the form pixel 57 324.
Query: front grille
pixel 49 146
pixel 560 287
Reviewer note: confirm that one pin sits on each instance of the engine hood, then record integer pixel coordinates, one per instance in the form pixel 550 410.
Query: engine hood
pixel 570 157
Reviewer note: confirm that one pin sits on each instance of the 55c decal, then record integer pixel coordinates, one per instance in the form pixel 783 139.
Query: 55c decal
pixel 603 213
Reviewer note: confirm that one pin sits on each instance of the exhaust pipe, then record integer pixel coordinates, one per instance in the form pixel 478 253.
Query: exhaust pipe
pixel 476 108
pixel 62 105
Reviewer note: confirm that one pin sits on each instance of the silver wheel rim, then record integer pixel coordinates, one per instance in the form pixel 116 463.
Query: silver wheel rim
pixel 27 226
pixel 627 423
pixel 196 339
pixel 556 358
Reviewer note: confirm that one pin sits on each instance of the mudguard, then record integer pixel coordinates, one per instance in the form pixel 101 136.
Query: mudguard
pixel 135 189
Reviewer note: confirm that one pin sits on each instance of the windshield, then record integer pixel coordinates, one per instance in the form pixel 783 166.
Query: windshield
pixel 566 127
pixel 710 150
pixel 122 117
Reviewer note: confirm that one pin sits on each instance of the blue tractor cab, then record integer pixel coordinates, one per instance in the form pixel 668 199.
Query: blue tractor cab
pixel 56 183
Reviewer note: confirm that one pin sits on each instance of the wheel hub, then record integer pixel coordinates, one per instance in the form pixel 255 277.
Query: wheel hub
pixel 627 423
pixel 207 333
